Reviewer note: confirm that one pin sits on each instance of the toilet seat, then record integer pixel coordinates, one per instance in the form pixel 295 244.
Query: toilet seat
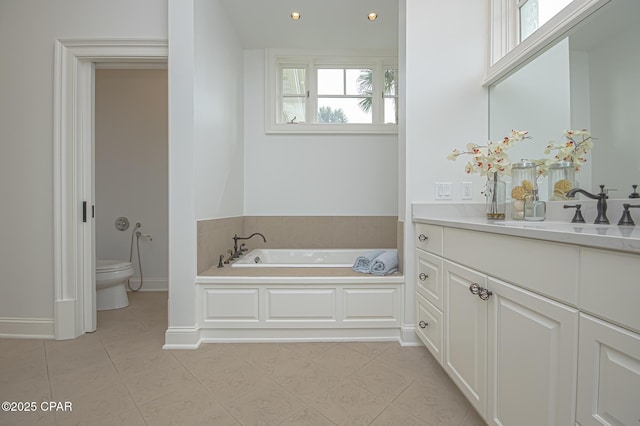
pixel 106 266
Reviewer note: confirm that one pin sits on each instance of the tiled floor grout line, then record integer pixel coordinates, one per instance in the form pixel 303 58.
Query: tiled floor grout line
pixel 209 393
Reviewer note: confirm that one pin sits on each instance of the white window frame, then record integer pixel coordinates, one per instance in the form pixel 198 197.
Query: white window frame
pixel 377 60
pixel 507 55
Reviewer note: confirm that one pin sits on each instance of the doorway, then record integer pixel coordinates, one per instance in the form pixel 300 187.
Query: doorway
pixel 74 192
pixel 131 171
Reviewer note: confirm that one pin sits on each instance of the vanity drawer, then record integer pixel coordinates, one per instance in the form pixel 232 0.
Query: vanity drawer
pixel 429 238
pixel 429 326
pixel 544 267
pixel 610 286
pixel 429 277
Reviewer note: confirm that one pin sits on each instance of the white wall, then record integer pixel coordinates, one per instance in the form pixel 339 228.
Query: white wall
pixel 313 174
pixel 446 105
pixel 218 103
pixel 581 109
pixel 615 109
pixel 27 34
pixel 131 168
pixel 204 148
pixel 542 106
pixel 182 204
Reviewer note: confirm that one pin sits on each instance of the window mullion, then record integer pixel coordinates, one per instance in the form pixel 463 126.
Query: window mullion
pixel 377 92
pixel 312 92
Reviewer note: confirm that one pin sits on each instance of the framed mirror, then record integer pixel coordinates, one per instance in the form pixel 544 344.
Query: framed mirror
pixel 587 79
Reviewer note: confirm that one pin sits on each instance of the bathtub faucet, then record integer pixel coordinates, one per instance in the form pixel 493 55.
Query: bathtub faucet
pixel 236 252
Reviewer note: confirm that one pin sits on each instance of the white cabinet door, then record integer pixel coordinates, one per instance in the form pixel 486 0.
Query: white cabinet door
pixel 532 353
pixel 608 375
pixel 465 333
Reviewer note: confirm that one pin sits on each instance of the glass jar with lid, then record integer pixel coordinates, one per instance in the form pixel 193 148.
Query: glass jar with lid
pixel 523 182
pixel 561 180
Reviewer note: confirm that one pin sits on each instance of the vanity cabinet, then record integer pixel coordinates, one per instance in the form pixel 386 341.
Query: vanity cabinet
pixel 609 360
pixel 465 334
pixel 532 355
pixel 509 334
pixel 608 374
pixel 429 288
pixel 510 351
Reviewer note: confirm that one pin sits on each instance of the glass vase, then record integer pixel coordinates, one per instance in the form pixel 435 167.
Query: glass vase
pixel 561 180
pixel 496 194
pixel 523 180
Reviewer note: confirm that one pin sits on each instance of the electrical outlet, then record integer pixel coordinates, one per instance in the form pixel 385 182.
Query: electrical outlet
pixel 467 190
pixel 444 191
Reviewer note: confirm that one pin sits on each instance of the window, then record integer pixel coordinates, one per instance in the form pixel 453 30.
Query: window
pixel 521 28
pixel 330 93
pixel 534 13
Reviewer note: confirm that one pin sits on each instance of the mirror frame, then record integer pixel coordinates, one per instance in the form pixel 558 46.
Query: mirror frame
pixel 505 56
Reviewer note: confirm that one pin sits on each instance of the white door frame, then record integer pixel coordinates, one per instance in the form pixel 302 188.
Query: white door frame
pixel 73 175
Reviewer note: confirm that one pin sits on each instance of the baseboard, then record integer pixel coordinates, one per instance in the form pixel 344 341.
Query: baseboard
pixel 192 337
pixel 182 338
pixel 409 336
pixel 26 328
pixel 151 284
pixel 280 335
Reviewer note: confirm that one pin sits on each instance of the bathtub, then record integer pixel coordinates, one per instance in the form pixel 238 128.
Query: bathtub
pixel 301 258
pixel 284 302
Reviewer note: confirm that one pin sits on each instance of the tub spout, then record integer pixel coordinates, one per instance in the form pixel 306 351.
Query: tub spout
pixel 236 251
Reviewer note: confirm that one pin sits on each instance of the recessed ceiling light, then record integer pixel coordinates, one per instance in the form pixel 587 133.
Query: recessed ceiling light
pixel 295 16
pixel 372 16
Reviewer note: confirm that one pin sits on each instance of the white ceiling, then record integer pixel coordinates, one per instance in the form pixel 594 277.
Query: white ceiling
pixel 325 24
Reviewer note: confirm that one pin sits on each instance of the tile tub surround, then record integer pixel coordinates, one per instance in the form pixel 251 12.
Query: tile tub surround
pixel 215 236
pixel 120 375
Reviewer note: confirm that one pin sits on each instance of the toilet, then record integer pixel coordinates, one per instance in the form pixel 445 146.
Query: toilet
pixel 111 278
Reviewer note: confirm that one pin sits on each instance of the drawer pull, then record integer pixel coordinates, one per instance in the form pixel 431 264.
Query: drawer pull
pixel 423 324
pixel 422 238
pixel 475 288
pixel 423 276
pixel 484 294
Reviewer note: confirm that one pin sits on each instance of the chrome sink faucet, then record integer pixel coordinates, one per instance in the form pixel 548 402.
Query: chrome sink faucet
pixel 601 206
pixel 236 251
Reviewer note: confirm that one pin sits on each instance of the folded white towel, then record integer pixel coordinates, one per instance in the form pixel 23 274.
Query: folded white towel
pixel 363 263
pixel 386 263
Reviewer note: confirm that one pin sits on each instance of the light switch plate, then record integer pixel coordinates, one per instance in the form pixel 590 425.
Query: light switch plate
pixel 444 191
pixel 467 191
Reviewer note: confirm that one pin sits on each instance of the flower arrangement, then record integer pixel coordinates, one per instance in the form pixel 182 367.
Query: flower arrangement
pixel 574 149
pixel 492 158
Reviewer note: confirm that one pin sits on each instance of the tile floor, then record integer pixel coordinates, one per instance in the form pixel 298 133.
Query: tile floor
pixel 121 375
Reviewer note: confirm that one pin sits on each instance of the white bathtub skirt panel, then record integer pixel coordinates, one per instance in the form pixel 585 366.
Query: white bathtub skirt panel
pixel 300 309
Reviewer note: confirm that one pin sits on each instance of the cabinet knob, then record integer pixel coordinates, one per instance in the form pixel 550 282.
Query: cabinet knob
pixel 475 288
pixel 423 324
pixel 484 294
pixel 422 238
pixel 423 276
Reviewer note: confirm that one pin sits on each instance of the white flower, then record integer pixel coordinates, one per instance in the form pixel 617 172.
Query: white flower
pixel 490 158
pixel 574 149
